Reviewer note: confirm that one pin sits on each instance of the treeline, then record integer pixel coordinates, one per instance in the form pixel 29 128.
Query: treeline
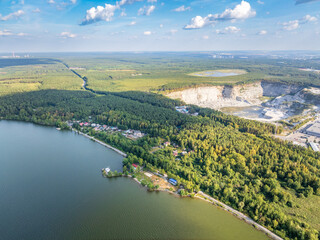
pixel 232 159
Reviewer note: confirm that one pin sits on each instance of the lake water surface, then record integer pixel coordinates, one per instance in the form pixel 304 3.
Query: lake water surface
pixel 51 188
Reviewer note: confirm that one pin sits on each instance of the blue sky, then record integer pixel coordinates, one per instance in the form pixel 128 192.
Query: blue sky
pixel 158 25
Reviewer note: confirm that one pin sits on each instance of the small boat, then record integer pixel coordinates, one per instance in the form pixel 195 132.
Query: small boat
pixel 107 170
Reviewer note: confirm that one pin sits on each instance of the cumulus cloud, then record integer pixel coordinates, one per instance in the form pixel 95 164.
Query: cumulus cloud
pixel 67 35
pixel 182 9
pixel 295 24
pixel 199 22
pixel 146 10
pixel 230 29
pixel 305 1
pixel 14 15
pixel 147 33
pixel 241 11
pixel 262 32
pixel 100 14
pixel 106 13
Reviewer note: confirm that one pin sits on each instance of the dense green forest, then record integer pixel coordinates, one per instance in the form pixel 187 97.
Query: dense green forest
pixel 232 159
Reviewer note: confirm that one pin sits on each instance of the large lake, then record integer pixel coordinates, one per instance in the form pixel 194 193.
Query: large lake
pixel 51 188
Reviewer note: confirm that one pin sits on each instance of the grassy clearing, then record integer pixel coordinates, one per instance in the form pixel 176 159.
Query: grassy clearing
pixel 306 209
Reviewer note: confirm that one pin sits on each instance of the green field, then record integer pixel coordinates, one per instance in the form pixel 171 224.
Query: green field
pixel 35 74
pixel 156 72
pixel 306 210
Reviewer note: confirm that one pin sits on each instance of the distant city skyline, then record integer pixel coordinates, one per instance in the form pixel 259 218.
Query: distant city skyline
pixel 158 25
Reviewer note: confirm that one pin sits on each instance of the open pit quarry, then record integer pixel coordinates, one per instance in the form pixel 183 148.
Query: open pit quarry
pixel 275 101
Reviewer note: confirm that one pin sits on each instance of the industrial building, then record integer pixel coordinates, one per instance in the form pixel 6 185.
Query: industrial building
pixel 314 129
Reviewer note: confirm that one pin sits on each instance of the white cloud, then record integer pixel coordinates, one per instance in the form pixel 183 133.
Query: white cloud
pixel 37 10
pixel 51 2
pixel 73 1
pixel 161 26
pixel 147 33
pixel 146 10
pixel 241 11
pixel 6 33
pixel 67 35
pixel 205 37
pixel 200 22
pixel 182 9
pixel 291 25
pixel 295 24
pixel 309 18
pixel 132 23
pixel 106 13
pixel 262 32
pixel 230 29
pixel 260 2
pixel 100 14
pixel 123 13
pixel 14 15
pixel 124 2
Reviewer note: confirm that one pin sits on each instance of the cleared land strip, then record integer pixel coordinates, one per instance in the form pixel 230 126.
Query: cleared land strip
pixel 102 143
pixel 241 216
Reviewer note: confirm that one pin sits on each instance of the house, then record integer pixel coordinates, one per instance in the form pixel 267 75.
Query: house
pixel 167 144
pixel 134 166
pixel 173 181
pixel 175 153
pixel 81 124
pixel 184 153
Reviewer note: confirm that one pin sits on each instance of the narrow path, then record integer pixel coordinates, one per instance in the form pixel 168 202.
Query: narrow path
pixel 84 79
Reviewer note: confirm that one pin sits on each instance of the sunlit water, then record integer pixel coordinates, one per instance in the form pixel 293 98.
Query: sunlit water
pixel 51 188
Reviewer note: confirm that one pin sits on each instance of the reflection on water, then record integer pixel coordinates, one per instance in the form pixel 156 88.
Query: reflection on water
pixel 252 112
pixel 216 74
